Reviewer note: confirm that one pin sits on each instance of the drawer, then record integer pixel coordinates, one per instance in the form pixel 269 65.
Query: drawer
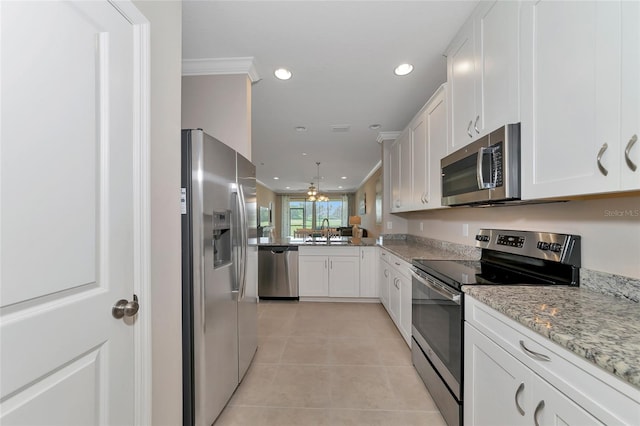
pixel 605 396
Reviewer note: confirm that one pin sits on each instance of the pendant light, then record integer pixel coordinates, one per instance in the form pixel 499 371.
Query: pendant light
pixel 313 193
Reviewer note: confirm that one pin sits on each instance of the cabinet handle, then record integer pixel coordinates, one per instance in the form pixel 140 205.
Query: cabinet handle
pixel 475 125
pixel 398 264
pixel 520 389
pixel 469 129
pixel 532 354
pixel 630 163
pixel 386 273
pixel 362 253
pixel 325 264
pixel 600 154
pixel 539 408
pixel 332 264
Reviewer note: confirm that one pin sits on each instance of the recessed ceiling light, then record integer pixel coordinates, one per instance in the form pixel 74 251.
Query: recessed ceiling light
pixel 375 126
pixel 343 177
pixel 304 153
pixel 287 187
pixel 276 178
pixel 340 187
pixel 282 74
pixel 301 129
pixel 403 69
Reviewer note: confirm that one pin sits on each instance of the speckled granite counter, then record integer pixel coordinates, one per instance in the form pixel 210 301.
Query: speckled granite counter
pixel 425 248
pixel 604 330
pixel 343 241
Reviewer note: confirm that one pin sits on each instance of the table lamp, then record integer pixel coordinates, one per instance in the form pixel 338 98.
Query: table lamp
pixel 355 231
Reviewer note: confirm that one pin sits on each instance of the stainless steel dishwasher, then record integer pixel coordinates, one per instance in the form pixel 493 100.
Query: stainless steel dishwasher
pixel 278 272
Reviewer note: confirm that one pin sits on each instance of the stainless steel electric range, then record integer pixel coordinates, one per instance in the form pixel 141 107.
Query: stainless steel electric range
pixel 508 258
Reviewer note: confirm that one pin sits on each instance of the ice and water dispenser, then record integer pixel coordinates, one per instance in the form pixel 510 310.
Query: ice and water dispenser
pixel 221 238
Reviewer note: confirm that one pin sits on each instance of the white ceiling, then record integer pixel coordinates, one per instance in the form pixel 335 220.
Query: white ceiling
pixel 342 55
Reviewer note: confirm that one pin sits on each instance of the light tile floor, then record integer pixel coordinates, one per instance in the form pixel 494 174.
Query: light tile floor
pixel 329 364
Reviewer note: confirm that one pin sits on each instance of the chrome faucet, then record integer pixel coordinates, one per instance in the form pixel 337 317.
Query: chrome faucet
pixel 322 228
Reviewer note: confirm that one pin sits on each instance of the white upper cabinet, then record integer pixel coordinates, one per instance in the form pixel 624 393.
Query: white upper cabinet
pixel 580 97
pixel 630 102
pixel 415 158
pixel 482 73
pixel 437 136
pixel 420 193
pixel 394 175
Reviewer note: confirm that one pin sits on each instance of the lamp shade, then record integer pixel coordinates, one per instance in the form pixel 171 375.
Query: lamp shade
pixel 354 220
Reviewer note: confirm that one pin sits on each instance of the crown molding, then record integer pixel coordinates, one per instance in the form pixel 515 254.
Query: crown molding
pixel 387 136
pixel 220 66
pixel 371 173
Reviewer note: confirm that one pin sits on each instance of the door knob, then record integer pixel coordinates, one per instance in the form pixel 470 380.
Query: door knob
pixel 125 308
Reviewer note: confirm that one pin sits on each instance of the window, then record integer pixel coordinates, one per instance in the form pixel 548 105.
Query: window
pixel 298 213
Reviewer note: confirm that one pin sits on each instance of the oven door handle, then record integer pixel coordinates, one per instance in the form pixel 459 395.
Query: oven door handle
pixel 453 297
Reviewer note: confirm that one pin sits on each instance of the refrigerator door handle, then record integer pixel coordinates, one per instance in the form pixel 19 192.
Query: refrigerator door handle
pixel 235 239
pixel 243 243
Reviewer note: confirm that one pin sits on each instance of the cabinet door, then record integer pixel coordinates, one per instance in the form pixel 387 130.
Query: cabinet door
pixel 394 298
pixel 461 80
pixel 394 175
pixel 630 120
pixel 406 170
pixel 344 276
pixel 384 278
pixel 405 307
pixel 313 276
pixel 421 174
pixel 497 97
pixel 551 407
pixel 437 132
pixel 496 385
pixel 570 84
pixel 368 272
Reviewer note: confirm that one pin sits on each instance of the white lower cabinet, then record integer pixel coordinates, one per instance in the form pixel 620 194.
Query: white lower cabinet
pixel 329 271
pixel 513 376
pixel 500 390
pixel 384 278
pixel 395 291
pixel 313 280
pixel 369 272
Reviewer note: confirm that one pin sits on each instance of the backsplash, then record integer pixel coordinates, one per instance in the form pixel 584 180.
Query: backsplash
pixel 614 285
pixel 602 282
pixel 465 251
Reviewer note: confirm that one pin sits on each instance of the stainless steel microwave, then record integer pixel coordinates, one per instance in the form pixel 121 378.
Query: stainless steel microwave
pixel 486 171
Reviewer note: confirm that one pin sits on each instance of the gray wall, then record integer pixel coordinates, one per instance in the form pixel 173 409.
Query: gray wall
pixel 221 106
pixel 609 226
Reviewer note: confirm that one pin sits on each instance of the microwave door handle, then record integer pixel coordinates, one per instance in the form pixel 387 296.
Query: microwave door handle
pixel 480 170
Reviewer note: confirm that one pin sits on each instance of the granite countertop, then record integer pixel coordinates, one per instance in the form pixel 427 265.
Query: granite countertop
pixel 430 249
pixel 602 329
pixel 337 242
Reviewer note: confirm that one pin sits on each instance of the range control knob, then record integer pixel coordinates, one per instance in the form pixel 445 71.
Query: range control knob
pixel 556 247
pixel 482 237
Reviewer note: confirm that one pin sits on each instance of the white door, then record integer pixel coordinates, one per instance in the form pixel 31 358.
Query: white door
pixel 68 238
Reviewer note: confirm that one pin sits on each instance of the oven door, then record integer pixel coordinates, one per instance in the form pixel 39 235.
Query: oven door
pixel 437 326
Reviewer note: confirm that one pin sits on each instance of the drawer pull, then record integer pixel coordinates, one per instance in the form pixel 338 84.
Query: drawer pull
pixel 520 389
pixel 600 154
pixel 475 125
pixel 632 166
pixel 532 354
pixel 469 129
pixel 539 408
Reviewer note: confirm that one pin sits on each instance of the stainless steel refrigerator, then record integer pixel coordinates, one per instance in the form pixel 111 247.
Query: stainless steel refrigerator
pixel 219 274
